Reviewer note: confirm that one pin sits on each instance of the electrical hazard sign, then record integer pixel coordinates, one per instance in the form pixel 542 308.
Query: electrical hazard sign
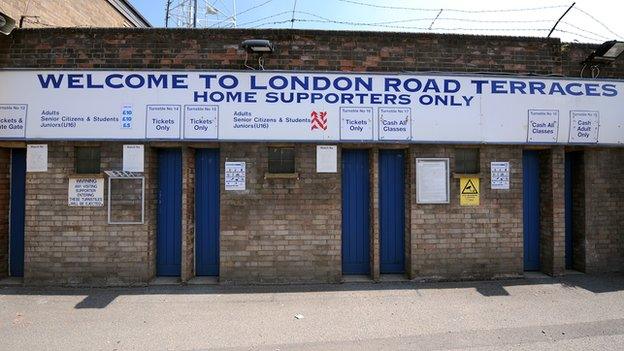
pixel 469 191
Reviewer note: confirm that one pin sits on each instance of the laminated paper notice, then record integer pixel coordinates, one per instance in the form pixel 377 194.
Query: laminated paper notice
pixel 37 158
pixel 326 158
pixel 499 175
pixel 235 176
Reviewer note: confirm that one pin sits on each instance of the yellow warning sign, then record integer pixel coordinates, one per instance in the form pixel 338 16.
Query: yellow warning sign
pixel 469 191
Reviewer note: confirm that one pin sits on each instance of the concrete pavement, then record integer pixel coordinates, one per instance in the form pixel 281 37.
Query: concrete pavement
pixel 574 312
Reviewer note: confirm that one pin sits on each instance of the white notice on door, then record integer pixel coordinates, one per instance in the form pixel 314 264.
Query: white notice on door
pixel 235 176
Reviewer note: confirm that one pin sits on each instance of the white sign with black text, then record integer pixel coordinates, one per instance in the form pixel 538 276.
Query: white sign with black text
pixel 86 192
pixel 235 176
pixel 499 172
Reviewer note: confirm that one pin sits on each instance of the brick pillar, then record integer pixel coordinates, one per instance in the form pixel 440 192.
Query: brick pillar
pixel 408 210
pixel 374 193
pixel 188 214
pixel 151 207
pixel 552 211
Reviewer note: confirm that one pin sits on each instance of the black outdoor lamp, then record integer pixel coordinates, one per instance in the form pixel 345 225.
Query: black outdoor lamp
pixel 607 52
pixel 257 46
pixel 6 24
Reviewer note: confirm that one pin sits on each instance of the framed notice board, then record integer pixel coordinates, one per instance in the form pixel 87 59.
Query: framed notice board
pixel 432 181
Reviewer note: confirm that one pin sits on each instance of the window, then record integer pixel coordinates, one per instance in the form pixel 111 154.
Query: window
pixel 281 160
pixel 467 160
pixel 87 159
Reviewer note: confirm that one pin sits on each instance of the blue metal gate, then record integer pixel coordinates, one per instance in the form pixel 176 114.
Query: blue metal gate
pixel 207 183
pixel 168 237
pixel 392 211
pixel 531 209
pixel 17 208
pixel 355 212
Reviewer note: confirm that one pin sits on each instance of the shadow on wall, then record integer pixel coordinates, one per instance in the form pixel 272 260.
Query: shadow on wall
pixel 98 298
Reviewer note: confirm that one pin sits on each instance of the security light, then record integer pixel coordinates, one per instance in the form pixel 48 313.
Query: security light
pixel 6 24
pixel 257 45
pixel 608 51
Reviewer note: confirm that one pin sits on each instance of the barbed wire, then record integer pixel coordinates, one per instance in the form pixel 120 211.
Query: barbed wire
pixel 598 21
pixel 387 7
pixel 401 24
pixel 381 24
pixel 585 30
pixel 265 18
pixel 576 34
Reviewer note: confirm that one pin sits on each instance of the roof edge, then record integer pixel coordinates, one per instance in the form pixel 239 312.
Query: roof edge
pixel 130 13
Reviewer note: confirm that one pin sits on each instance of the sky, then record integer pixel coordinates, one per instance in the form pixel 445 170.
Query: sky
pixel 590 21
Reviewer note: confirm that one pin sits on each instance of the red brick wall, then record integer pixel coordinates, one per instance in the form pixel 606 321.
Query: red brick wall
pixel 295 50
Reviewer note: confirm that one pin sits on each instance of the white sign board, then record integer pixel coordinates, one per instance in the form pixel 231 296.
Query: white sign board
pixel 432 180
pixel 87 192
pixel 235 176
pixel 133 158
pixel 37 158
pixel 499 175
pixel 584 126
pixel 543 126
pixel 308 106
pixel 326 158
pixel 395 123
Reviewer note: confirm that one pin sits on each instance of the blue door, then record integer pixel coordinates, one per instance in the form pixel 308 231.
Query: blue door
pixel 168 237
pixel 355 212
pixel 392 211
pixel 207 212
pixel 17 208
pixel 531 209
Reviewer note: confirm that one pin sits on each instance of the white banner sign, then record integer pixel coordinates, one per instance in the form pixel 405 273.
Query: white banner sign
pixel 87 192
pixel 308 106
